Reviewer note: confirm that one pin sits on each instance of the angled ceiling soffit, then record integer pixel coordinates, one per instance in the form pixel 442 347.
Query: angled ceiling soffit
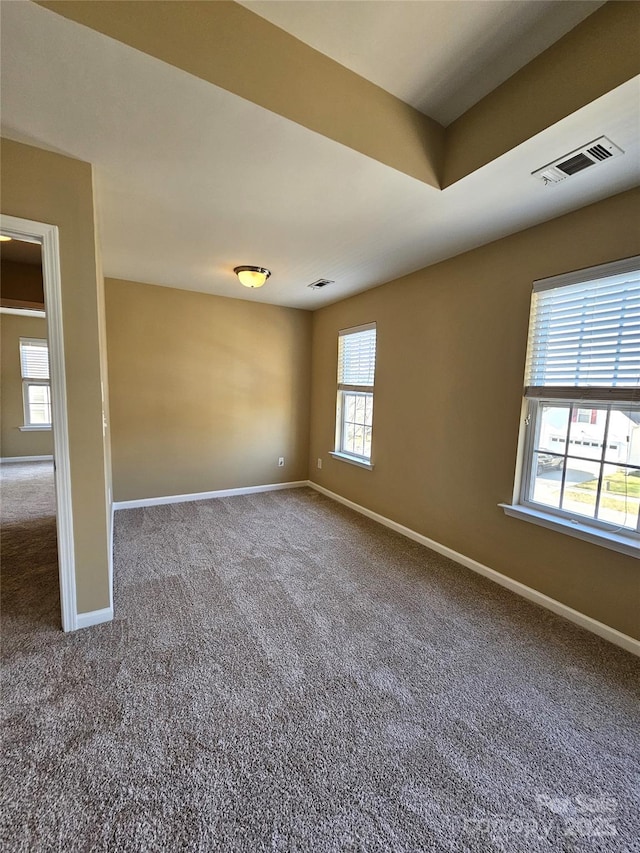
pixel 233 48
pixel 229 46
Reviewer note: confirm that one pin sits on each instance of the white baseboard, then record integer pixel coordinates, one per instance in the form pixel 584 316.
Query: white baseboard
pixel 611 634
pixel 205 496
pixel 26 459
pixel 94 617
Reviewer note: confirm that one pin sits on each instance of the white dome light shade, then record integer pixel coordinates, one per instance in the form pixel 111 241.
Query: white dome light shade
pixel 252 276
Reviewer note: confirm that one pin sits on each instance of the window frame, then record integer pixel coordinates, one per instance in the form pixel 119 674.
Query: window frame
pixel 608 534
pixel 28 382
pixel 344 389
pixel 531 440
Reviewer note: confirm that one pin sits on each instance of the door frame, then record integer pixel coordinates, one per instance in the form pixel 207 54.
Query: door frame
pixel 47 237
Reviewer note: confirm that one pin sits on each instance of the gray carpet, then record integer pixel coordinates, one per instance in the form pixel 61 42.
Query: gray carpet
pixel 285 675
pixel 28 548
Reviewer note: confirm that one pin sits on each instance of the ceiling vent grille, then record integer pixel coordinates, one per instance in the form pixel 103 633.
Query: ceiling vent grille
pixel 591 154
pixel 321 282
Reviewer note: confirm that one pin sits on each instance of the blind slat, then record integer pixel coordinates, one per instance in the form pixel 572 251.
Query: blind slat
pixel 34 359
pixel 586 335
pixel 357 357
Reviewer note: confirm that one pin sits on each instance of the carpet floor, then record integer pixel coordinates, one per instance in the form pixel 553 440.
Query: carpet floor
pixel 285 675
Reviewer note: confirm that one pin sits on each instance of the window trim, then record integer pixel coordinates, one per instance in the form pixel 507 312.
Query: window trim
pixel 596 531
pixel 575 528
pixel 352 460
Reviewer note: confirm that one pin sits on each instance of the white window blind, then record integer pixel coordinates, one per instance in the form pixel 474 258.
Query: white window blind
pixel 585 335
pixel 357 356
pixel 34 359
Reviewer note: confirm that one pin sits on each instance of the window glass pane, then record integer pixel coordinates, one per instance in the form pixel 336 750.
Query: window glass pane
pixel 620 496
pixel 350 410
pixel 356 425
pixel 359 440
pixel 38 394
pixel 367 442
pixel 623 440
pixel 368 419
pixel 39 403
pixel 349 438
pixel 554 425
pixel 546 481
pixel 586 434
pixel 581 487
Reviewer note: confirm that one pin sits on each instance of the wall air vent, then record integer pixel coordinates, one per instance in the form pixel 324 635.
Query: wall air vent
pixel 321 282
pixel 591 154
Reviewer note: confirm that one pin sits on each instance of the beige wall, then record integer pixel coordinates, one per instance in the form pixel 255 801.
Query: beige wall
pixel 48 187
pixel 205 392
pixel 451 349
pixel 13 441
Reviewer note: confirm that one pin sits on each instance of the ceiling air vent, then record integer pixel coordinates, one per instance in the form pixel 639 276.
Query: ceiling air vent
pixel 591 154
pixel 321 282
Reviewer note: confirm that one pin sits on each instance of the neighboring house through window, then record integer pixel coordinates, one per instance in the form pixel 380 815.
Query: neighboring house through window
pixel 354 408
pixel 36 393
pixel 582 442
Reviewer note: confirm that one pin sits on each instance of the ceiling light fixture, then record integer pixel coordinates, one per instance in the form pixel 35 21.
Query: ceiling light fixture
pixel 252 276
pixel 4 238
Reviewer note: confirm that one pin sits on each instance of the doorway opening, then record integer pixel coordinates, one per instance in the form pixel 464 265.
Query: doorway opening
pixel 35 475
pixel 30 588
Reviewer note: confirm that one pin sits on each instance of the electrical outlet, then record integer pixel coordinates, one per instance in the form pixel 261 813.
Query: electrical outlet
pixel 319 462
pixel 280 461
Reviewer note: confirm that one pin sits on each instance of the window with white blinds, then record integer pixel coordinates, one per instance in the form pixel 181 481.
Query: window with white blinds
pixel 585 336
pixel 36 393
pixel 581 458
pixel 357 356
pixel 34 358
pixel 354 408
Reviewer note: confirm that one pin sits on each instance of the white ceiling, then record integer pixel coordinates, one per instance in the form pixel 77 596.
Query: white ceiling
pixel 193 180
pixel 440 56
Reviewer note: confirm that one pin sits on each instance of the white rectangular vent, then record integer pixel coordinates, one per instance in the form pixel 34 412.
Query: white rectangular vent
pixel 321 282
pixel 591 154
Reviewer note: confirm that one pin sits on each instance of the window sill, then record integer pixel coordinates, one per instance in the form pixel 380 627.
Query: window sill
pixel 614 541
pixel 35 428
pixel 352 460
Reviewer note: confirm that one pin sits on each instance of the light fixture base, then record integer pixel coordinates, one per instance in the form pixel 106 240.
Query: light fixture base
pixel 251 276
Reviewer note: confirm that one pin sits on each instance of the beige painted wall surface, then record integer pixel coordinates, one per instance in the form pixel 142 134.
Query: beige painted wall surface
pixel 205 392
pixel 13 441
pixel 448 394
pixel 48 187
